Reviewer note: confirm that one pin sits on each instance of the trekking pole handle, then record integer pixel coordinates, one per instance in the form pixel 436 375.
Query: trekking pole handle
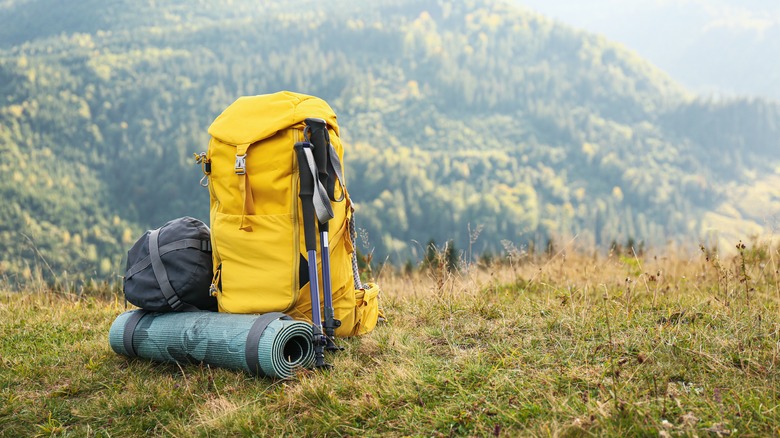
pixel 319 137
pixel 306 194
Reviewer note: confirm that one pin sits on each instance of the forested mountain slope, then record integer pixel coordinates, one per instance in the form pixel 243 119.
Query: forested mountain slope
pixel 458 115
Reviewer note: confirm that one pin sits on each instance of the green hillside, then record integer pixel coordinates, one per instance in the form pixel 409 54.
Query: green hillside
pixel 458 115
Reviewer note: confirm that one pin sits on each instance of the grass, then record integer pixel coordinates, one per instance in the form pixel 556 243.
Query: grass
pixel 568 345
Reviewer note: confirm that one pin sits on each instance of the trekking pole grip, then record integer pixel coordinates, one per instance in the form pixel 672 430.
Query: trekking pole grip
pixel 318 131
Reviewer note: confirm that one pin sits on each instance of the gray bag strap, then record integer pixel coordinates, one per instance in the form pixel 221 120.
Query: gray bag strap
pixel 130 325
pixel 203 245
pixel 321 200
pixel 335 164
pixel 160 273
pixel 253 338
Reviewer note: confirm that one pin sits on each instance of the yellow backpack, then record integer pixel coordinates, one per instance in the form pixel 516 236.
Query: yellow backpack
pixel 261 262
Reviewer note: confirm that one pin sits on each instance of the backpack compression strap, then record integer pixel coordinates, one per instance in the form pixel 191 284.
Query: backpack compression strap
pixel 161 274
pixel 251 351
pixel 129 331
pixel 244 186
pixel 203 245
pixel 334 165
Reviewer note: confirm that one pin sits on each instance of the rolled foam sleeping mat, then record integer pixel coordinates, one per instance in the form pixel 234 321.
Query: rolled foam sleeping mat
pixel 270 345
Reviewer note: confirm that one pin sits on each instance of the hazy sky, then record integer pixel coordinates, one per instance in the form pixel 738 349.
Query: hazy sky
pixel 719 46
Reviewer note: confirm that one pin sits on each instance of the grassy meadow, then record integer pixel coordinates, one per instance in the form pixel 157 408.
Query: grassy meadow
pixel 562 344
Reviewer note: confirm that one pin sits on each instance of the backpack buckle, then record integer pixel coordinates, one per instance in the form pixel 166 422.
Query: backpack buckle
pixel 240 166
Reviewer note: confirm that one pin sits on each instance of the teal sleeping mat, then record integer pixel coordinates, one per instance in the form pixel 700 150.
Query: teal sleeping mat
pixel 271 345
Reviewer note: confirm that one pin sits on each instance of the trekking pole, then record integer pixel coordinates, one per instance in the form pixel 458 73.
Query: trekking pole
pixel 318 136
pixel 307 175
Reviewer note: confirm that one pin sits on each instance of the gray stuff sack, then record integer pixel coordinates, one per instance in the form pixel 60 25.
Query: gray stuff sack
pixel 170 268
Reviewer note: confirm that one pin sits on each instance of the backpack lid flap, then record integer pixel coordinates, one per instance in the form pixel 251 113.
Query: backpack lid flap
pixel 253 118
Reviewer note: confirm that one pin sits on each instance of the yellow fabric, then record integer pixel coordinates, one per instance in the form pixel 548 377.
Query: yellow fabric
pixel 253 118
pixel 256 218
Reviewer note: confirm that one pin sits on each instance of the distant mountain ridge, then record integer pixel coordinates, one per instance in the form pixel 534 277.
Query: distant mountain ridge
pixel 718 47
pixel 458 116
